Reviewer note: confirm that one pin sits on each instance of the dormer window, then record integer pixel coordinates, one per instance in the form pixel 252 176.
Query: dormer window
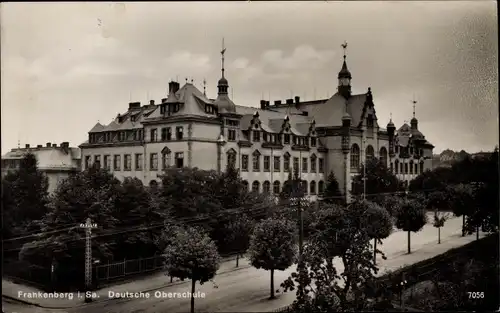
pixel 256 135
pixel 294 139
pixel 209 109
pixel 264 137
pixel 313 142
pixel 287 139
pixel 369 121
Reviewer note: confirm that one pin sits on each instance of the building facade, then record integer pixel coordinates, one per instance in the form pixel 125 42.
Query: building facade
pixel 56 162
pixel 316 137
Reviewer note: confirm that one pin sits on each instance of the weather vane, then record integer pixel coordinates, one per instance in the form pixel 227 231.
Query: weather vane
pixel 344 46
pixel 414 103
pixel 222 55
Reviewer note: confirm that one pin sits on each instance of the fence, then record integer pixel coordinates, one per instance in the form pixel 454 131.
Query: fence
pixel 118 270
pixel 26 273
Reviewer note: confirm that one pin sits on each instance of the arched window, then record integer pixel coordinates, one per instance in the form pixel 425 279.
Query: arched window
pixel 416 167
pixel 421 167
pixel 383 156
pixel 231 158
pixel 256 161
pixel 396 166
pixel 321 187
pixel 255 186
pixel 392 167
pixel 266 187
pixel 286 162
pixel 276 187
pixel 370 153
pixel 245 184
pixel 354 156
pixel 411 166
pixel 312 187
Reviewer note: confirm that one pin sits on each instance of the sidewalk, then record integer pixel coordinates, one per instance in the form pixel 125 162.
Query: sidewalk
pixel 157 281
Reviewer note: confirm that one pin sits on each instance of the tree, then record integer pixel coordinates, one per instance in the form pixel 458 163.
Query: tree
pixel 439 219
pixel 24 197
pixel 439 201
pixel 137 208
pixel 332 193
pixel 273 246
pixel 411 218
pixel 392 204
pixel 462 202
pixel 192 255
pixel 89 194
pixel 239 231
pixel 377 221
pixel 340 233
pixel 431 180
pixel 380 182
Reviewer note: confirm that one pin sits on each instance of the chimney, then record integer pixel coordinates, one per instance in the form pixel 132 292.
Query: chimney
pixel 297 99
pixel 48 145
pixel 262 104
pixel 151 102
pixel 39 146
pixel 27 146
pixel 65 145
pixel 289 101
pixel 54 145
pixel 134 105
pixel 277 102
pixel 163 100
pixel 268 103
pixel 173 87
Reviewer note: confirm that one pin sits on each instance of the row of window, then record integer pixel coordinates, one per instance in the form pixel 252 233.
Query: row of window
pixel 266 187
pixel 168 108
pixel 138 161
pixel 283 138
pixel 317 164
pixel 411 149
pixel 370 153
pixel 127 135
pixel 166 134
pixel 407 168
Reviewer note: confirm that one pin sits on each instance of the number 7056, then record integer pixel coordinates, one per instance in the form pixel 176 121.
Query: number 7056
pixel 475 295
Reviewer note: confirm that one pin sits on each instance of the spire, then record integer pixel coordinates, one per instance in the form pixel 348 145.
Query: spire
pixel 204 87
pixel 222 57
pixel 390 124
pixel 223 83
pixel 223 102
pixel 414 121
pixel 344 77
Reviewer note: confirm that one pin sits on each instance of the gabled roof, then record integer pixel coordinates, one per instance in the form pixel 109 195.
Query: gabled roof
pixel 97 128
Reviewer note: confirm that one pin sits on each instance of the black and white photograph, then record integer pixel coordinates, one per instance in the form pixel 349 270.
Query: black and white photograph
pixel 249 156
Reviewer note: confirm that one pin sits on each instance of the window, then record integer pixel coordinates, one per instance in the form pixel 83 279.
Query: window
pixel 256 136
pixel 179 159
pixel 277 163
pixel 169 133
pixel 397 149
pixel 117 163
pixel 313 142
pixel 354 156
pixel 321 187
pixel 406 168
pixel 267 165
pixel 369 121
pixel 383 155
pixel 255 186
pixel 153 161
pixel 163 134
pixel 165 160
pixel 411 167
pixel 370 153
pixel 396 166
pixel 231 158
pixel 266 187
pixel 256 161
pixel 107 162
pixel 179 132
pixel 401 168
pixel 304 165
pixel 264 137
pixel 128 162
pixel 416 168
pixel 276 187
pixel 245 184
pixel 244 163
pixel 295 164
pixel 321 165
pixel 87 161
pixel 154 135
pixel 392 167
pixel 287 139
pixel 286 162
pixel 122 136
pixel 97 161
pixel 411 150
pixel 421 167
pixel 313 163
pixel 138 162
pixel 312 187
pixel 294 140
pixel 231 135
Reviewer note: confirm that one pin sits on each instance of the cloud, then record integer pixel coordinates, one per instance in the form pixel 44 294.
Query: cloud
pixel 302 57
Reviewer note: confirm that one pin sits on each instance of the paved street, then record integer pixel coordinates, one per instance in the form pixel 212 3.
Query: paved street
pixel 247 289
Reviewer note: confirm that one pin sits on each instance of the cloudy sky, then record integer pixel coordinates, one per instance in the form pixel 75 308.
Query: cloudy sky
pixel 66 66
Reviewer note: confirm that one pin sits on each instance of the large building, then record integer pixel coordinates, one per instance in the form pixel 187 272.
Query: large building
pixel 56 162
pixel 316 137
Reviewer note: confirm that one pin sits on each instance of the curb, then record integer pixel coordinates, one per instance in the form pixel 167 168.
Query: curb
pixel 241 267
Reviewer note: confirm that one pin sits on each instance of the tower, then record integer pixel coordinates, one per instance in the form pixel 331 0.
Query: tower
pixel 223 102
pixel 414 121
pixel 223 84
pixel 344 77
pixel 390 131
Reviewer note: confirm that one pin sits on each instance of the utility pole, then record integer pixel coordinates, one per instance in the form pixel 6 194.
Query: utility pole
pixel 88 255
pixel 297 196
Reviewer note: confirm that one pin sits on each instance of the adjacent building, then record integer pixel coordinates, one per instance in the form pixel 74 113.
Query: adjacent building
pixel 315 137
pixel 56 162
